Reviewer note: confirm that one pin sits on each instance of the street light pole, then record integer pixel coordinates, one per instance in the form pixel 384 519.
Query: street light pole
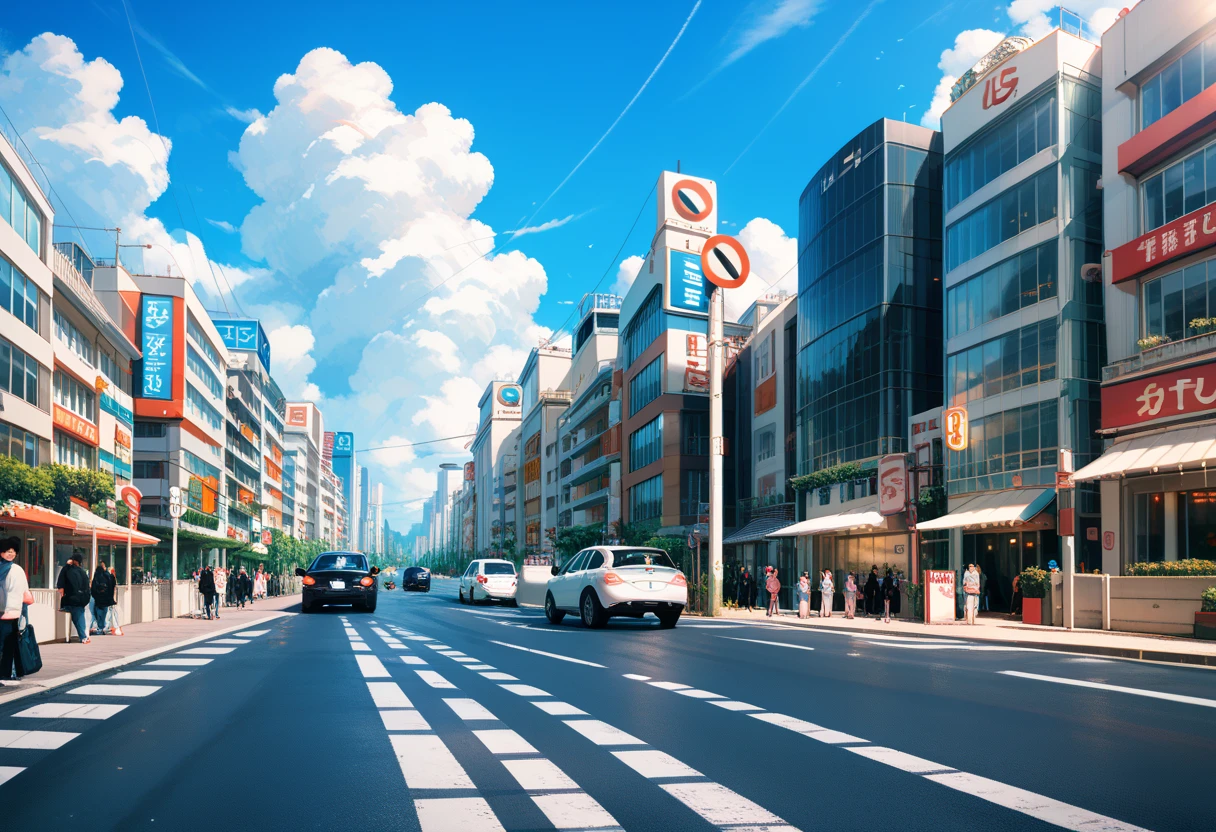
pixel 716 368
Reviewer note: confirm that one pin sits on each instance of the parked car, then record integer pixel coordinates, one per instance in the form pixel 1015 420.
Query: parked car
pixel 489 579
pixel 605 581
pixel 339 578
pixel 416 577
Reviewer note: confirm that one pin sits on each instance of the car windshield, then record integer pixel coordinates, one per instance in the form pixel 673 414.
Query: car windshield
pixel 339 560
pixel 499 569
pixel 642 557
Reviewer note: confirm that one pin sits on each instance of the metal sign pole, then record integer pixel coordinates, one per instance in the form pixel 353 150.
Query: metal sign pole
pixel 716 367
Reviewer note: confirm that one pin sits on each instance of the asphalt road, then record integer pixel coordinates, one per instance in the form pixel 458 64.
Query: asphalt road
pixel 431 715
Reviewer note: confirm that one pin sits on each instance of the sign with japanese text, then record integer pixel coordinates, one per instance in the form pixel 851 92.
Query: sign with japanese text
pixel 696 364
pixel 122 436
pixel 156 322
pixel 82 429
pixel 892 484
pixel 1161 396
pixel 686 283
pixel 1185 235
pixel 939 596
pixel 244 335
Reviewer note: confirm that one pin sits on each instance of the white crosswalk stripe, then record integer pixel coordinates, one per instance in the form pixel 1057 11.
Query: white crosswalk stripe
pixel 70 710
pixel 44 740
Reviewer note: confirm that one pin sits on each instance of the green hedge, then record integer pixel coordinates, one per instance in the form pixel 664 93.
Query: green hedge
pixel 1209 599
pixel 845 472
pixel 1173 568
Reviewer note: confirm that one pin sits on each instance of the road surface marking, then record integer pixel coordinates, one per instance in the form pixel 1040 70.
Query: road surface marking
pixel 669 686
pixel 206 651
pixel 451 653
pixel 635 677
pixel 70 710
pixel 371 668
pixel 480 666
pixel 700 694
pixel 468 709
pixel 360 647
pixel 833 737
pixel 42 740
pixel 504 741
pixel 539 774
pixel 770 643
pixel 115 690
pixel 974 648
pixel 498 676
pixel 419 638
pixel 398 646
pixel 426 763
pixel 437 646
pixel 404 720
pixel 413 659
pixel 574 810
pixel 178 663
pixel 524 690
pixel 388 695
pixel 1029 803
pixel 9 772
pixel 229 641
pixel 434 679
pixel 352 632
pixel 456 814
pixel 380 632
pixel 732 705
pixel 150 675
pixel 466 660
pixel 559 708
pixel 251 633
pixel 898 759
pixel 722 807
pixel 652 763
pixel 798 726
pixel 1081 683
pixel 601 733
pixel 549 655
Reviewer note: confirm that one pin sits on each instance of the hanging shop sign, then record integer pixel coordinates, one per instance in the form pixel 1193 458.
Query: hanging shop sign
pixel 686 283
pixel 156 320
pixel 892 484
pixel 956 429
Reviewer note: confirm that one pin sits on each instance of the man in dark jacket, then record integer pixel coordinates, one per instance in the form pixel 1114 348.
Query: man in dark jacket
pixel 73 586
pixel 244 587
pixel 103 591
pixel 873 603
pixel 206 586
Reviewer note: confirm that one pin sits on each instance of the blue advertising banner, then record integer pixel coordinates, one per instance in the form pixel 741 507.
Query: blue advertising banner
pixel 344 444
pixel 122 414
pixel 245 335
pixel 156 324
pixel 685 283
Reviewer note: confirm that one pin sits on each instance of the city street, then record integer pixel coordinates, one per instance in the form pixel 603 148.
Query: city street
pixel 431 715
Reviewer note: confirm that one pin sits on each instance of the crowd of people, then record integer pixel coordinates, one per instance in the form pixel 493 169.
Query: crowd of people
pixel 221 586
pixel 880 594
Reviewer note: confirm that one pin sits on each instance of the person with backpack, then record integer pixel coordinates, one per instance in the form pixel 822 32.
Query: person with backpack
pixel 14 595
pixel 206 586
pixel 103 590
pixel 74 594
pixel 772 585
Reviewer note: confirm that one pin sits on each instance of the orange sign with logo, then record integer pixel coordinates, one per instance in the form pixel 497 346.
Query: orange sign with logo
pixel 297 416
pixel 998 88
pixel 954 420
pixel 73 424
pixel 122 437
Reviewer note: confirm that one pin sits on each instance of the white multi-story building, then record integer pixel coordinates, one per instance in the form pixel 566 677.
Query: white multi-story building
pixel 500 408
pixel 303 429
pixel 545 395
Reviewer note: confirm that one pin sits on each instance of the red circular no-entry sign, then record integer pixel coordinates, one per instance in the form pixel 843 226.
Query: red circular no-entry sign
pixel 691 200
pixel 724 262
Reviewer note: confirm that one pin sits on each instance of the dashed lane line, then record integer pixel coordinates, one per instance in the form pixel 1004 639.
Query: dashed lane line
pixel 434 679
pixel 178 663
pixel 770 643
pixel 547 654
pixel 469 709
pixel 371 667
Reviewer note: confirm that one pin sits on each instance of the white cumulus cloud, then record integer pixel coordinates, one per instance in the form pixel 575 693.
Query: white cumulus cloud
pixel 626 273
pixel 773 256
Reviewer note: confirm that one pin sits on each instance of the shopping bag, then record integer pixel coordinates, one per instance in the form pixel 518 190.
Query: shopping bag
pixel 29 657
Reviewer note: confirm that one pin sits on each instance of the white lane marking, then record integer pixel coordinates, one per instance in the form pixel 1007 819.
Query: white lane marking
pixel 206 651
pixel 178 663
pixel 669 685
pixel 732 705
pixel 150 675
pixel 539 774
pixel 9 772
pixel 229 641
pixel 42 740
pixel 115 690
pixel 420 638
pixel 576 810
pixel 251 633
pixel 404 720
pixel 469 709
pixel 371 667
pixel 413 660
pixel 1081 683
pixel 770 643
pixel 723 807
pixel 601 733
pixel 700 694
pixel 504 741
pixel 559 708
pixel 70 710
pixel 834 737
pixel 380 631
pixel 451 653
pixel 426 763
pixel 434 679
pixel 651 763
pixel 710 626
pixel 466 660
pixel 1029 803
pixel 480 666
pixel 799 726
pixel 352 632
pixel 398 646
pixel 635 677
pixel 974 648
pixel 456 814
pixel 360 647
pixel 898 759
pixel 558 656
pixel 388 695
pixel 524 690
pixel 437 646
pixel 498 676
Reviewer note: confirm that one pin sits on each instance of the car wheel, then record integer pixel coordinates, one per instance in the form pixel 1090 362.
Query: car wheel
pixel 512 603
pixel 552 613
pixel 460 594
pixel 593 614
pixel 306 608
pixel 668 619
pixel 370 607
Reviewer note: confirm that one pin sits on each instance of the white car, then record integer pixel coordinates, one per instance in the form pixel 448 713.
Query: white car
pixel 604 581
pixel 489 579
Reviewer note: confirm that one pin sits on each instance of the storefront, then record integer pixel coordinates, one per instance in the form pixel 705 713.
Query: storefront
pixel 752 547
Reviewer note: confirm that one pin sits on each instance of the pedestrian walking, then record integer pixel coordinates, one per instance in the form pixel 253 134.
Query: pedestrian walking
pixel 772 585
pixel 14 596
pixel 804 596
pixel 103 590
pixel 244 587
pixel 259 583
pixel 206 586
pixel 889 589
pixel 870 591
pixel 971 590
pixel 74 594
pixel 1015 606
pixel 850 595
pixel 749 589
pixel 221 589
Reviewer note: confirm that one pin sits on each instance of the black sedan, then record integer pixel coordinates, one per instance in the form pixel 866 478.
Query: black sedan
pixel 339 578
pixel 416 577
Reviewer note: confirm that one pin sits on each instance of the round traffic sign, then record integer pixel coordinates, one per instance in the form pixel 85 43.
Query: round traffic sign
pixel 724 262
pixel 691 200
pixel 176 510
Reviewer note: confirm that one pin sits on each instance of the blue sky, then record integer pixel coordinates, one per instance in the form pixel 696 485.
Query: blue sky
pixel 539 83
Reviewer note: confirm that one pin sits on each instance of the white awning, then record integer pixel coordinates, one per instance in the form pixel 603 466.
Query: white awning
pixel 833 523
pixel 999 508
pixel 1169 451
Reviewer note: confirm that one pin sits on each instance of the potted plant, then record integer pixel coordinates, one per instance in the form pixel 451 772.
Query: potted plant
pixel 1151 341
pixel 1034 589
pixel 1205 619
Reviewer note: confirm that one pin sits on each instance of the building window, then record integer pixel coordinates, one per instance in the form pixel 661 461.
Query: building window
pixel 1002 147
pixel 18 444
pixel 764 356
pixel 19 295
pixel 1149 522
pixel 148 470
pixel 151 430
pixel 694 490
pixel 196 364
pixel 1020 208
pixel 646 386
pixel 72 452
pixel 1017 359
pixel 1022 280
pixel 196 405
pixel 643 328
pixel 646 444
pixel 1185 186
pixel 17 209
pixel 1012 440
pixel 118 375
pixel 1197 524
pixel 200 338
pixel 646 500
pixel 1175 301
pixel 1178 83
pixel 71 395
pixel 825 495
pixel 766 443
pixel 18 373
pixel 694 430
pixel 73 339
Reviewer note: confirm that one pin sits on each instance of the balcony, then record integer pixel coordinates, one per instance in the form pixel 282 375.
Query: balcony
pixel 597 466
pixel 588 499
pixel 1171 352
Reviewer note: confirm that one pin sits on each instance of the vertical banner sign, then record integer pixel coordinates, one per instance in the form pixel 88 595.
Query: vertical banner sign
pixel 939 596
pixel 132 496
pixel 327 446
pixel 955 427
pixel 892 484
pixel 156 318
pixel 469 472
pixel 686 283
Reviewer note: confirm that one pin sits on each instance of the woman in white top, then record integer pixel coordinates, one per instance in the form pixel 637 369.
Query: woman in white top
pixel 259 583
pixel 14 591
pixel 971 593
pixel 827 592
pixel 221 588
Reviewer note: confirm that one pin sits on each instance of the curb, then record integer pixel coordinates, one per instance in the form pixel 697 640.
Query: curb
pixel 92 670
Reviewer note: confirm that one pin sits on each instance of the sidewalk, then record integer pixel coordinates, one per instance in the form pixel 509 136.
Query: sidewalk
pixel 1145 647
pixel 63 663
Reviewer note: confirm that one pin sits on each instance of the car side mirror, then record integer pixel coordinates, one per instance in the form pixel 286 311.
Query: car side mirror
pixel 300 572
pixel 553 570
pixel 375 570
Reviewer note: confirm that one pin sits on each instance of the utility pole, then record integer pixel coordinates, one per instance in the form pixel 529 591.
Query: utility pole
pixel 717 309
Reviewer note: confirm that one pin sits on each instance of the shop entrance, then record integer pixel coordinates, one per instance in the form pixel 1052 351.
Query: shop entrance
pixel 1001 556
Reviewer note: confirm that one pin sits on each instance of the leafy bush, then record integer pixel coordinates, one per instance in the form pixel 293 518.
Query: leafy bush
pixel 1173 568
pixel 19 481
pixel 1034 582
pixel 845 472
pixel 1209 599
pixel 574 539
